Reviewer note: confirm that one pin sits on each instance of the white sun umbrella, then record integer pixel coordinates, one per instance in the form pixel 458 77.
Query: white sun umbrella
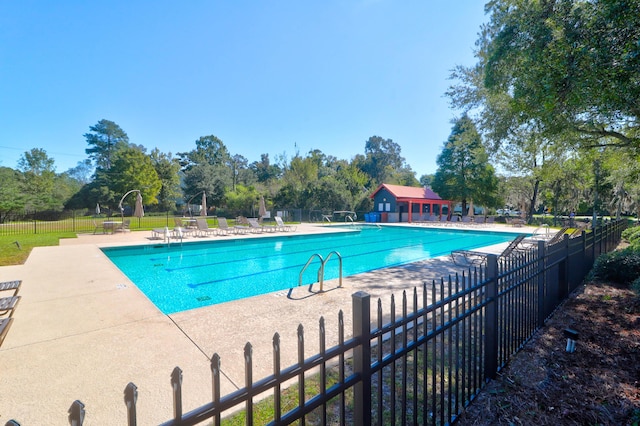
pixel 203 212
pixel 471 209
pixel 138 211
pixel 97 208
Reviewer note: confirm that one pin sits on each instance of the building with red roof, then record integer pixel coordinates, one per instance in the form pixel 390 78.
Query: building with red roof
pixel 397 203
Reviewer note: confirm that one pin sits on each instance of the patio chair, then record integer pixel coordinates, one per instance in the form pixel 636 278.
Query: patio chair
pixel 203 228
pixel 11 285
pixel 159 233
pixel 126 224
pixel 224 226
pixel 548 239
pixel 256 227
pixel 280 226
pixel 5 325
pixel 8 305
pixel 558 236
pixel 97 227
pixel 472 257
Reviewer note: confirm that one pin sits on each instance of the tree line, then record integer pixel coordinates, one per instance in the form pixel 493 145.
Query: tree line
pixel 555 95
pixel 168 181
pixel 549 121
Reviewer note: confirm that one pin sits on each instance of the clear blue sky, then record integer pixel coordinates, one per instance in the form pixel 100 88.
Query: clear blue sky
pixel 264 76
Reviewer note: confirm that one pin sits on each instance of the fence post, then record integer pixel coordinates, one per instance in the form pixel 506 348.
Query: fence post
pixel 215 379
pixel 593 246
pixel 491 319
pixel 563 271
pixel 130 399
pixel 362 358
pixel 600 240
pixel 76 413
pixel 542 253
pixel 176 386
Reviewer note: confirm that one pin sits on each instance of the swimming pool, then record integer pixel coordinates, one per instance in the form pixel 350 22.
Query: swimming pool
pixel 182 277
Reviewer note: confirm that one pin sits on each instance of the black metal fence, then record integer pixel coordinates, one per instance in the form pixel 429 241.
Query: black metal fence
pixel 82 221
pixel 75 221
pixel 423 367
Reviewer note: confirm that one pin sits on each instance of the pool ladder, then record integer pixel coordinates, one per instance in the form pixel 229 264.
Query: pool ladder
pixel 323 262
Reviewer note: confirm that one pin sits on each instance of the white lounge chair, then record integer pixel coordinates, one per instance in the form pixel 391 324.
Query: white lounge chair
pixel 280 226
pixel 472 257
pixel 256 227
pixel 203 228
pixel 224 226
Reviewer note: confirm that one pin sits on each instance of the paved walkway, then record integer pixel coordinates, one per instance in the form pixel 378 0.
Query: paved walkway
pixel 83 331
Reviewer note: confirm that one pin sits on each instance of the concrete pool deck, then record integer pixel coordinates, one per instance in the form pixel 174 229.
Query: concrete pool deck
pixel 83 331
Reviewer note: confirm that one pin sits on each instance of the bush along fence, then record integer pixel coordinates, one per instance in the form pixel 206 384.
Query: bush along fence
pixel 423 367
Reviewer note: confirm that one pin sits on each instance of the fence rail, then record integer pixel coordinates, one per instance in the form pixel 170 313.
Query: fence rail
pixel 82 221
pixel 424 367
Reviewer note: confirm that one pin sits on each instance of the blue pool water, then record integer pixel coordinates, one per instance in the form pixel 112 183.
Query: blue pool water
pixel 192 275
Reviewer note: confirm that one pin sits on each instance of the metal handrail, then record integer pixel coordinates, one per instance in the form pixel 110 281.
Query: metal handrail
pixel 340 268
pixel 323 262
pixel 307 265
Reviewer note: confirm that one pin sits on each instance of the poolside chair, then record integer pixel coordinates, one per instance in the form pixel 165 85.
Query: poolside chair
pixel 203 228
pixel 256 227
pixel 466 220
pixel 224 226
pixel 558 236
pixel 126 225
pixel 8 305
pixel 160 233
pixel 97 227
pixel 472 257
pixel 280 226
pixel 5 325
pixel 253 225
pixel 11 285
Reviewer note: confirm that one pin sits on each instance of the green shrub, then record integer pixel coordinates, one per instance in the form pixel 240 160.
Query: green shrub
pixel 622 266
pixel 631 234
pixel 635 286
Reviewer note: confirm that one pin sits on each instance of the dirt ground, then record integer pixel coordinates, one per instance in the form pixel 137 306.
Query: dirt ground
pixel 598 384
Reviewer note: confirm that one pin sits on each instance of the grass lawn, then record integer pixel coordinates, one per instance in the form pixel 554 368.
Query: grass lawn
pixel 14 249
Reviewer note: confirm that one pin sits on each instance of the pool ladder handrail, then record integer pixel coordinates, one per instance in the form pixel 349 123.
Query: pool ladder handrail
pixel 323 262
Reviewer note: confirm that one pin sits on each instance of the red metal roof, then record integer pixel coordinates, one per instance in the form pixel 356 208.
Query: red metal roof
pixel 406 192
